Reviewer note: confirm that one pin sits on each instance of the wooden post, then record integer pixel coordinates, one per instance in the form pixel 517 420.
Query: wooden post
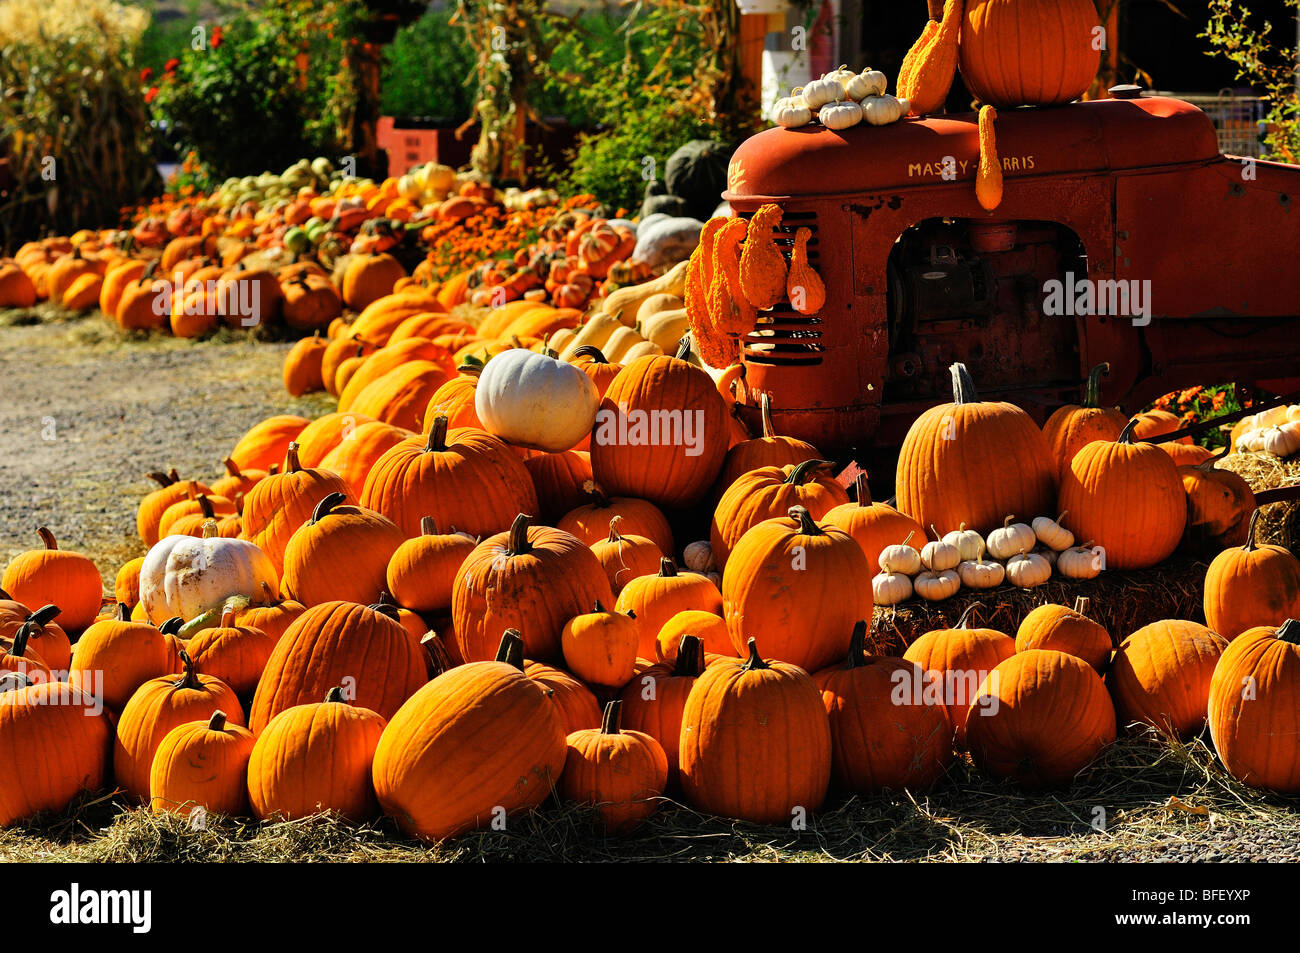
pixel 936 9
pixel 749 51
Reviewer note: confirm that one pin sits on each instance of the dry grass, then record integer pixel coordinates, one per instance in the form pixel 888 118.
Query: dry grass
pixel 966 818
pixel 1279 523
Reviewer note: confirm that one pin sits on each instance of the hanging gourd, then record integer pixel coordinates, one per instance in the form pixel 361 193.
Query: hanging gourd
pixel 804 288
pixel 729 309
pixel 988 177
pixel 762 266
pixel 930 66
pixel 1028 52
pixel 715 348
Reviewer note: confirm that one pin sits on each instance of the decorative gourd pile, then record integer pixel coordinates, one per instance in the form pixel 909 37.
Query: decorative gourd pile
pixel 1275 431
pixel 839 100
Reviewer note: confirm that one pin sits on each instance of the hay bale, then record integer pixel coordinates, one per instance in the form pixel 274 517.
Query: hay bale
pixel 1279 523
pixel 1121 601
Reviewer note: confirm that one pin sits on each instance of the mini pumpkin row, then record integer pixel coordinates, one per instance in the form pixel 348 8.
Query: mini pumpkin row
pixel 841 99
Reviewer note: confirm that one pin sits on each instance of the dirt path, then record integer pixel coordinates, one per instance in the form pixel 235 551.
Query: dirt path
pixel 87 411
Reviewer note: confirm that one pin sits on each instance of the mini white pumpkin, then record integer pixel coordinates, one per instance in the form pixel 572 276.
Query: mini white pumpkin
pixel 1010 538
pixel 534 400
pixel 870 82
pixel 1028 570
pixel 979 573
pixel 1079 562
pixel 938 555
pixel 935 586
pixel 840 114
pixel 1047 553
pixel 891 588
pixel 1281 441
pixel 882 110
pixel 969 543
pixel 791 111
pixel 841 75
pixel 822 91
pixel 187 575
pixel 900 558
pixel 699 556
pixel 1051 533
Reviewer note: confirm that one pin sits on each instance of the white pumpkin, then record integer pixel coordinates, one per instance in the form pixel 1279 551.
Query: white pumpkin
pixel 822 91
pixel 979 573
pixel 186 575
pixel 1010 538
pixel 935 586
pixel 891 588
pixel 900 558
pixel 938 555
pixel 1051 533
pixel 534 400
pixel 1079 562
pixel 969 543
pixel 791 112
pixel 842 76
pixel 882 110
pixel 1047 553
pixel 698 556
pixel 840 115
pixel 1028 570
pixel 1281 441
pixel 870 82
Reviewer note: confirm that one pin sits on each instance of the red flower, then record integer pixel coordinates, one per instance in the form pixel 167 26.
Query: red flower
pixel 170 65
pixel 146 74
pixel 151 95
pixel 216 36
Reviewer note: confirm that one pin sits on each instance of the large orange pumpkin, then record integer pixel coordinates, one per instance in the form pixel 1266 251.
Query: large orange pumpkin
pixel 654 700
pixel 873 525
pixel 1074 426
pixel 422 571
pixel 342 552
pixel 1028 52
pixel 973 462
pixel 267 442
pixel 622 771
pixel 279 504
pixel 768 493
pixel 56 576
pixel 202 765
pixel 1063 629
pixel 325 434
pixel 769 450
pixel 1127 498
pixel 590 521
pixel 356 454
pixel 1161 675
pixel 1250 586
pixel 737 760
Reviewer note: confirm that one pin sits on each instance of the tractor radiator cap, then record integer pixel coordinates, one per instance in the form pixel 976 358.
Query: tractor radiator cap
pixel 1126 91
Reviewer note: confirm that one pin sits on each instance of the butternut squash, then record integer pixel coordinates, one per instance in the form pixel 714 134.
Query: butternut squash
pixel 624 303
pixel 595 332
pixel 666 328
pixel 656 303
pixel 644 349
pixel 561 339
pixel 618 343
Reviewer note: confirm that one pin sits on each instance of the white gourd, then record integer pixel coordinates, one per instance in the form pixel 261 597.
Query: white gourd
pixel 791 111
pixel 1051 555
pixel 883 110
pixel 969 543
pixel 1010 538
pixel 840 115
pixel 534 400
pixel 891 588
pixel 1079 562
pixel 1051 533
pixel 186 576
pixel 822 91
pixel 979 573
pixel 900 558
pixel 1281 441
pixel 938 555
pixel 1028 570
pixel 842 76
pixel 935 586
pixel 870 82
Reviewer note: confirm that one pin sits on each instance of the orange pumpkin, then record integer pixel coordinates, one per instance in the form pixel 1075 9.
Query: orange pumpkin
pixel 1251 586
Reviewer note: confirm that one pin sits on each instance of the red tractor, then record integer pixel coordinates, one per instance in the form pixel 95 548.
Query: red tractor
pixel 1123 236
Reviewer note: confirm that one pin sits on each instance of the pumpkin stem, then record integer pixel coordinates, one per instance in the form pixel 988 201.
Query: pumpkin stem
pixel 858 645
pixel 205 506
pixel 683 349
pixel 1126 435
pixel 765 411
pixel 266 588
pixel 19 647
pixel 518 543
pixel 327 505
pixel 291 464
pixel 807 525
pixel 210 529
pixel 162 479
pixel 613 716
pixel 1092 389
pixel 597 607
pixel 335 694
pixel 45 614
pixel 803 472
pixel 47 537
pixel 227 616
pixel 965 616
pixel 123 612
pixel 755 661
pixel 862 490
pixel 172 625
pixel 428 526
pixel 614 536
pixel 190 677
pixel 232 468
pixel 1081 605
pixel 386 606
pixel 590 350
pixel 597 494
pixel 439 660
pixel 1289 631
pixel 667 567
pixel 218 721
pixel 963 387
pixel 908 538
pixel 1251 546
pixel 690 657
pixel 511 650
pixel 437 435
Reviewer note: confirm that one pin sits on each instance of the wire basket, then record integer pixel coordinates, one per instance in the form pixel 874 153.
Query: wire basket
pixel 1237 119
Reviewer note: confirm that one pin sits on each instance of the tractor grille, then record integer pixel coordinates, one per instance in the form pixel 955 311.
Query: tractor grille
pixel 781 335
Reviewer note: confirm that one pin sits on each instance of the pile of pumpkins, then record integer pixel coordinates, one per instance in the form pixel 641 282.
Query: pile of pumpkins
pixel 1275 431
pixel 841 99
pixel 447 621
